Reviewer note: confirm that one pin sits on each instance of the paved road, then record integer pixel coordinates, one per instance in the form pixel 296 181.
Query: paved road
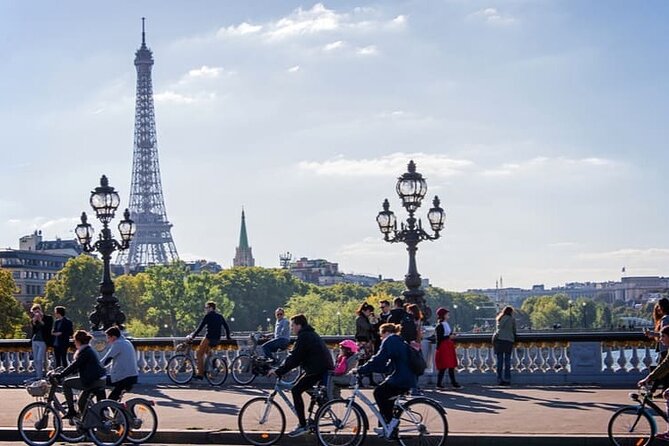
pixel 472 410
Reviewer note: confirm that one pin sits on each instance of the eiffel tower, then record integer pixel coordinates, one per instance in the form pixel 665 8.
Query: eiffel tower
pixel 153 242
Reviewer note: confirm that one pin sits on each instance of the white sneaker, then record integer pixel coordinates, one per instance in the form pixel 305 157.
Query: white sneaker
pixel 380 431
pixel 298 431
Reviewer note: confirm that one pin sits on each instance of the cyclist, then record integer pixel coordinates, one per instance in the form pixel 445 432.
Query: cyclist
pixel 91 373
pixel 393 355
pixel 281 336
pixel 661 371
pixel 312 354
pixel 123 359
pixel 214 322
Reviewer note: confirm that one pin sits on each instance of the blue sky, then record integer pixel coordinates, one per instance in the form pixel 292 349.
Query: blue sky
pixel 542 126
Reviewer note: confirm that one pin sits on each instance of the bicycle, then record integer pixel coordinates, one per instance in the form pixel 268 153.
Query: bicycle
pixel 142 419
pixel 40 423
pixel 251 363
pixel 181 366
pixel 262 422
pixel 417 421
pixel 634 424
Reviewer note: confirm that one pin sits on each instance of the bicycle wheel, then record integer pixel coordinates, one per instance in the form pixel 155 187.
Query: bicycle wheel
pixel 242 369
pixel 108 424
pixel 39 424
pixel 180 369
pixel 291 376
pixel 217 370
pixel 340 423
pixel 261 421
pixel 142 420
pixel 631 426
pixel 422 423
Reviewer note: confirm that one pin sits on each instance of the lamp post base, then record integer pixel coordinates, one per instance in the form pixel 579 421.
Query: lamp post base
pixel 107 314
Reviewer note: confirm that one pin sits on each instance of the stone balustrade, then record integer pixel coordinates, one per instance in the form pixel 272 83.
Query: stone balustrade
pixel 549 358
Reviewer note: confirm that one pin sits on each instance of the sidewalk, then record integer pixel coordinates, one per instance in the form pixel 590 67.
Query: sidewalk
pixel 476 414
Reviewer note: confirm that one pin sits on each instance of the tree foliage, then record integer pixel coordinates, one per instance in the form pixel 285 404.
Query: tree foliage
pixel 13 318
pixel 75 287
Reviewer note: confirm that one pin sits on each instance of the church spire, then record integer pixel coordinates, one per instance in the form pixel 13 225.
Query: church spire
pixel 243 254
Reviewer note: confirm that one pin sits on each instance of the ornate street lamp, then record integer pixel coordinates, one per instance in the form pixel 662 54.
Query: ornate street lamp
pixel 104 201
pixel 411 188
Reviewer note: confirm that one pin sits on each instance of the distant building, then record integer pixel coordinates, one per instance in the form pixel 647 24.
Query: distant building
pixel 202 266
pixel 316 271
pixel 360 279
pixel 629 289
pixel 36 262
pixel 243 254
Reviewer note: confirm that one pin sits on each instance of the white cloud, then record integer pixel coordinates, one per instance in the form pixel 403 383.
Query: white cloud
pixel 370 50
pixel 334 46
pixel 367 247
pixel 294 69
pixel 398 22
pixel 543 163
pixel 205 72
pixel 243 29
pixel 651 255
pixel 170 96
pixel 493 17
pixel 560 245
pixel 430 164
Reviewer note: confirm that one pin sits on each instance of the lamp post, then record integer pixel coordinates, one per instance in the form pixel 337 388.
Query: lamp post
pixel 571 305
pixel 339 323
pixel 411 188
pixel 585 314
pixel 455 316
pixel 104 201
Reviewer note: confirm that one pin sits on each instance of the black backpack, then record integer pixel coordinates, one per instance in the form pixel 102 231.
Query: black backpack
pixel 417 363
pixel 409 331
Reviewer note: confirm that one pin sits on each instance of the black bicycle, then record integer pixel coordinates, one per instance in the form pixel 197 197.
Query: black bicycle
pixel 251 362
pixel 634 425
pixel 41 424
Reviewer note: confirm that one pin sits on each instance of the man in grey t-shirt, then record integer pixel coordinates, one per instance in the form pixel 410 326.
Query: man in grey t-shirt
pixel 281 335
pixel 123 359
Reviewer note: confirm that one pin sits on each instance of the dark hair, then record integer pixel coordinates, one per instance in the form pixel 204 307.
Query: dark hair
pixel 82 336
pixel 398 302
pixel 347 352
pixel 664 305
pixel 384 302
pixel 363 307
pixel 299 319
pixel 390 328
pixel 60 310
pixel 113 331
pixel 508 310
pixel 415 311
pixel 665 330
pixel 211 304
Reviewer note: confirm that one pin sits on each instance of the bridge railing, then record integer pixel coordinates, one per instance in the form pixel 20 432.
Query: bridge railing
pixel 550 358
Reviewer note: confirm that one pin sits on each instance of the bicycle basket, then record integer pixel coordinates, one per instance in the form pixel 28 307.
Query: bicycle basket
pixel 38 388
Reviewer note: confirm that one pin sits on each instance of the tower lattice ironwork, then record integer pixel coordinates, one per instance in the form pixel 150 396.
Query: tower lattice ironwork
pixel 153 242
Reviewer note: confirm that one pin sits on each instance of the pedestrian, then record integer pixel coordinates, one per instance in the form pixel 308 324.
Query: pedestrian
pixel 660 319
pixel 399 315
pixel 346 361
pixel 445 358
pixel 503 339
pixel 364 336
pixel 62 332
pixel 384 316
pixel 417 315
pixel 41 325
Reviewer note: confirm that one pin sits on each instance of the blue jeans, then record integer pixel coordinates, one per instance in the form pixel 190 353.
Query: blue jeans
pixel 270 347
pixel 39 357
pixel 503 363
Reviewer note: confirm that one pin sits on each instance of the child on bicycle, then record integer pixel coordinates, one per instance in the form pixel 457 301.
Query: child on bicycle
pixel 660 372
pixel 347 360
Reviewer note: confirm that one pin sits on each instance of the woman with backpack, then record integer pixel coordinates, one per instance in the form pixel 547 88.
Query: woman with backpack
pixel 445 358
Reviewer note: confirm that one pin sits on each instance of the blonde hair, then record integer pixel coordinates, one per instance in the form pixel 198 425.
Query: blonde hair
pixel 390 328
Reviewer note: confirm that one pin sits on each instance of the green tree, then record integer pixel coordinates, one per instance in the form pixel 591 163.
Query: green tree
pixel 139 329
pixel 13 318
pixel 75 287
pixel 130 292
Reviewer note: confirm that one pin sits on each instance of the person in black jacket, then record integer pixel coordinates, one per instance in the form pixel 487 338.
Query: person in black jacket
pixel 40 339
pixel 312 354
pixel 400 316
pixel 215 323
pixel 91 373
pixel 62 332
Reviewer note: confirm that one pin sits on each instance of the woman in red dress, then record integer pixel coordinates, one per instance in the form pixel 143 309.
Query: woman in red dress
pixel 445 358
